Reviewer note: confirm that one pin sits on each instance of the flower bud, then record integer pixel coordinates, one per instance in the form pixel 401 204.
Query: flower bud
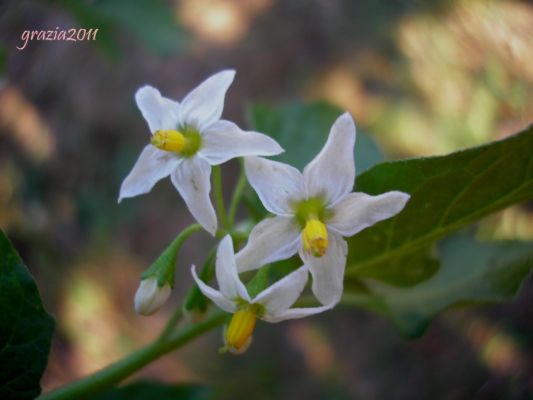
pixel 150 296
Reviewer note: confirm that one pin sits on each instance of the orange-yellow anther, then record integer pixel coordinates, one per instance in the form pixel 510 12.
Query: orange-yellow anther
pixel 315 237
pixel 239 332
pixel 169 140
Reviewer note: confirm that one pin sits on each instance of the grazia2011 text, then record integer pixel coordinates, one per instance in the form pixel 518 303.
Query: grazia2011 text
pixel 71 35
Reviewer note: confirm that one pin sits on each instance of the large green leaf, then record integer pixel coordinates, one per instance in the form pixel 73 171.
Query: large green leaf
pixel 149 390
pixel 447 193
pixel 470 271
pixel 25 328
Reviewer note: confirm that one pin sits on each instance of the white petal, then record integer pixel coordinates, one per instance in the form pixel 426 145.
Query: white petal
pixel 192 179
pixel 295 313
pixel 223 140
pixel 358 211
pixel 273 239
pixel 332 172
pixel 151 166
pixel 278 185
pixel 217 297
pixel 158 111
pixel 227 276
pixel 328 270
pixel 204 104
pixel 278 297
pixel 150 297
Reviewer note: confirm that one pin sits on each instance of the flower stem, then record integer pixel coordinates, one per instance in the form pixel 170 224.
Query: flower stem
pixel 235 199
pixel 171 324
pixel 114 373
pixel 219 198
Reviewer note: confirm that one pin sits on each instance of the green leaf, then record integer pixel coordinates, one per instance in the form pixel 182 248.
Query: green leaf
pixel 89 18
pixel 447 193
pixel 25 328
pixel 150 390
pixel 470 272
pixel 151 22
pixel 148 21
pixel 302 130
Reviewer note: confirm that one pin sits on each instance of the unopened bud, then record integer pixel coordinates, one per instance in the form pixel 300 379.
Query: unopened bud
pixel 150 296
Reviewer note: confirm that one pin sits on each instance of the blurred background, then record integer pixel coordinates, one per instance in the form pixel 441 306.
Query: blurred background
pixel 422 78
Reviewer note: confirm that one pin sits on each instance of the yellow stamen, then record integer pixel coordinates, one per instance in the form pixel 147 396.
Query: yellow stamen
pixel 238 335
pixel 315 237
pixel 169 140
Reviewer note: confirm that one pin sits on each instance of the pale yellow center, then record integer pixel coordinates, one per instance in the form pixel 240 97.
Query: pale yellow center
pixel 315 237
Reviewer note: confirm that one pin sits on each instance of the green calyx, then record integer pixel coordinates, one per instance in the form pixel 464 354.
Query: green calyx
pixel 314 207
pixel 256 308
pixel 193 140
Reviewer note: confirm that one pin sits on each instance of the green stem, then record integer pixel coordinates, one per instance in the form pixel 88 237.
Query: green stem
pixel 219 198
pixel 235 199
pixel 171 324
pixel 165 265
pixel 114 373
pixel 194 297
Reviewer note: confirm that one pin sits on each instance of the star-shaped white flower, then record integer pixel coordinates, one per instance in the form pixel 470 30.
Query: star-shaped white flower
pixel 272 304
pixel 187 139
pixel 314 210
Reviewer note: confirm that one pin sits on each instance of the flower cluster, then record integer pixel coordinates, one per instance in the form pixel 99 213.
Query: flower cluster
pixel 313 210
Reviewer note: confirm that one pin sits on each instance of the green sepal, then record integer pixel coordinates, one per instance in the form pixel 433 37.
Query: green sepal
pixel 164 268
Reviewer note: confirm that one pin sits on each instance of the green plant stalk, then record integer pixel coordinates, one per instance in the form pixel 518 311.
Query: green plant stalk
pixel 168 257
pixel 114 373
pixel 219 198
pixel 194 295
pixel 236 198
pixel 175 318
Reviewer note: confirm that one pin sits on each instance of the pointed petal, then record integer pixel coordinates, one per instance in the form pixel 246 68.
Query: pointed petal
pixel 273 239
pixel 278 297
pixel 227 276
pixel 278 185
pixel 223 140
pixel 158 111
pixel 358 211
pixel 328 270
pixel 332 172
pixel 192 179
pixel 217 297
pixel 295 313
pixel 204 104
pixel 151 166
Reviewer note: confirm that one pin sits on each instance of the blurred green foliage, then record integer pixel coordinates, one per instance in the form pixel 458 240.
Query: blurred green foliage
pixel 151 390
pixel 25 328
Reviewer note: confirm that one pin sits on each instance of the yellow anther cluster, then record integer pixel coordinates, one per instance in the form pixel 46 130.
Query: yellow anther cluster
pixel 315 237
pixel 169 140
pixel 238 335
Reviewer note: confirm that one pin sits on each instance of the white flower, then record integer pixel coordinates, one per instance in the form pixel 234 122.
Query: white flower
pixel 187 139
pixel 150 296
pixel 314 210
pixel 271 305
